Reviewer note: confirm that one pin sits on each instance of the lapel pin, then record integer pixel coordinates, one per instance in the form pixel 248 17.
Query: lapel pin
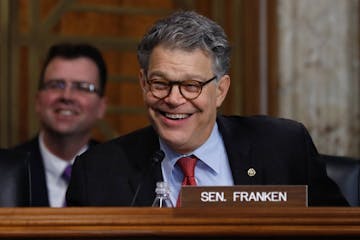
pixel 251 172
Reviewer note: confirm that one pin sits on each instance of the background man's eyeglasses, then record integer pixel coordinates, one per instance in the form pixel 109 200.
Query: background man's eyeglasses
pixel 82 87
pixel 189 89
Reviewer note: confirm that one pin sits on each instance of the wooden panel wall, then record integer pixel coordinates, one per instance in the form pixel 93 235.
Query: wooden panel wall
pixel 115 27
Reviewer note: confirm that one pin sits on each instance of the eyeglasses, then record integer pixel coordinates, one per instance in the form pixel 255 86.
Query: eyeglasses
pixel 78 86
pixel 189 89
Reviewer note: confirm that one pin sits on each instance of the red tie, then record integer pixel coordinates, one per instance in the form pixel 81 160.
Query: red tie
pixel 187 165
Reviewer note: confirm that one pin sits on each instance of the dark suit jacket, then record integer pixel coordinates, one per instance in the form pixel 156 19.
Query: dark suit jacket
pixel 39 192
pixel 14 179
pixel 281 151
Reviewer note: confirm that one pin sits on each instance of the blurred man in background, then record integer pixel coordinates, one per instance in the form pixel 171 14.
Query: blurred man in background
pixel 69 102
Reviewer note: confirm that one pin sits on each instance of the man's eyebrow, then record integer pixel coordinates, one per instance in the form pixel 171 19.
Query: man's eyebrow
pixel 186 77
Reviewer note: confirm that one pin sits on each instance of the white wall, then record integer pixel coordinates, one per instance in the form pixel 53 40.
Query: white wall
pixel 319 73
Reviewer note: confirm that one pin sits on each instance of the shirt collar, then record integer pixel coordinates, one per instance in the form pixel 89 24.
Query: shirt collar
pixel 207 152
pixel 52 163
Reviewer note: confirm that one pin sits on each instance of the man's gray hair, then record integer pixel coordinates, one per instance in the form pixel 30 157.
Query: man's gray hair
pixel 187 30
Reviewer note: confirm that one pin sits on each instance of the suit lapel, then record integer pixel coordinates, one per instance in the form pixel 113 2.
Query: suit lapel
pixel 146 174
pixel 238 144
pixel 38 179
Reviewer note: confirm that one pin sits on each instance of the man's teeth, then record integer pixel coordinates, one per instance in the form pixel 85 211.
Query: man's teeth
pixel 176 116
pixel 66 112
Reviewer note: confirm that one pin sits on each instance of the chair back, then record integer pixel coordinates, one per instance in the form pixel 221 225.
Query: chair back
pixel 345 172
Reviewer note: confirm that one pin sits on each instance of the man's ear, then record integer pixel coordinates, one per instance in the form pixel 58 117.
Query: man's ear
pixel 142 80
pixel 102 107
pixel 222 89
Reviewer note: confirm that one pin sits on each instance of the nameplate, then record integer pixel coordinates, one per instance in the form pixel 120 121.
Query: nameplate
pixel 244 196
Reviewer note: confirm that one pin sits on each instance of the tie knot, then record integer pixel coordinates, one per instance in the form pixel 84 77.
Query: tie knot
pixel 187 165
pixel 67 173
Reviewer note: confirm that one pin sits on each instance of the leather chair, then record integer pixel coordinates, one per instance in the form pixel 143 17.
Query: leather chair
pixel 14 179
pixel 345 172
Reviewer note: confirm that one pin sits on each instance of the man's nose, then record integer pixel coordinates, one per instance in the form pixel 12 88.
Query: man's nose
pixel 68 91
pixel 175 97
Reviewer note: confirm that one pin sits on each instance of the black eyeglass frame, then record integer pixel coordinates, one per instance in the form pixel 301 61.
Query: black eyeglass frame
pixel 185 83
pixel 80 86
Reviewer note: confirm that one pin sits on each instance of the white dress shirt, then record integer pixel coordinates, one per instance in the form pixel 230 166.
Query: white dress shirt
pixel 54 167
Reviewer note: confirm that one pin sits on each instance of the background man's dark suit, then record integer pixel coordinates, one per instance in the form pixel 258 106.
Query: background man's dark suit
pixel 281 152
pixel 14 179
pixel 39 192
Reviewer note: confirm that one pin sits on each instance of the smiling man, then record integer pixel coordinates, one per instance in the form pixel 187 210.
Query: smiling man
pixel 184 76
pixel 182 116
pixel 69 102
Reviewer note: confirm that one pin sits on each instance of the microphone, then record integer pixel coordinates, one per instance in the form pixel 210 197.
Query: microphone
pixel 156 159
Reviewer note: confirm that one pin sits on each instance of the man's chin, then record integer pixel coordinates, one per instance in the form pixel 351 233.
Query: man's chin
pixel 65 131
pixel 174 141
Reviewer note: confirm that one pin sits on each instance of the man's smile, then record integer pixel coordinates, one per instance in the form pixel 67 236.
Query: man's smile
pixel 175 116
pixel 65 112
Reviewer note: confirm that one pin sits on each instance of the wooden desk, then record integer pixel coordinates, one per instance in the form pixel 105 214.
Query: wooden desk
pixel 152 223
